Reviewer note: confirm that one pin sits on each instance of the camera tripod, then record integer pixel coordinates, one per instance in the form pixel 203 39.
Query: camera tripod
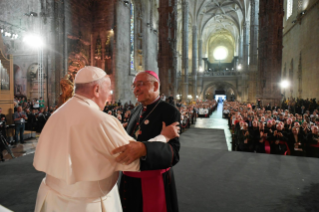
pixel 4 143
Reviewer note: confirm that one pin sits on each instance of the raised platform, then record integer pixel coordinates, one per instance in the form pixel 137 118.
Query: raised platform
pixel 208 178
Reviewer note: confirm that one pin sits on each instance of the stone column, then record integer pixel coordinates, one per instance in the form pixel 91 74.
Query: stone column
pixel 253 50
pixel 254 34
pixel 59 47
pixel 200 65
pixel 50 55
pixel 195 67
pixel 67 26
pixel 245 46
pixel 240 51
pixel 167 45
pixel 245 62
pixel 185 49
pixel 271 15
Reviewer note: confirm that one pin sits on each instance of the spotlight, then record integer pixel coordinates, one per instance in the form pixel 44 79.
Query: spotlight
pixel 285 84
pixel 303 12
pixel 148 24
pixel 294 21
pixel 7 34
pixel 31 14
pixel 239 67
pixel 33 40
pixel 1 30
pixel 126 3
pixel 201 70
pixel 34 14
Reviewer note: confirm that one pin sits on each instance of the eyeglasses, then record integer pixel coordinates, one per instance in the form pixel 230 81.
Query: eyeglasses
pixel 140 83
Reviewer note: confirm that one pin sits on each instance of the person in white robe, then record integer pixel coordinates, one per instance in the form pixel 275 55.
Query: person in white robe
pixel 74 150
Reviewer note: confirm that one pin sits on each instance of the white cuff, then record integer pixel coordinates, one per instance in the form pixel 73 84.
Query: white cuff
pixel 160 138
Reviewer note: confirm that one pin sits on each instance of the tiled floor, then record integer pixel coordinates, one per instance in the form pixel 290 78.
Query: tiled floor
pixel 216 121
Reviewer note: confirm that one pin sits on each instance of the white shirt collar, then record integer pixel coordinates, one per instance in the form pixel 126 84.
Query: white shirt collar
pixel 88 101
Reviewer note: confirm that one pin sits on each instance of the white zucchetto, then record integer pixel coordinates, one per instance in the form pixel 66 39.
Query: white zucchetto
pixel 89 74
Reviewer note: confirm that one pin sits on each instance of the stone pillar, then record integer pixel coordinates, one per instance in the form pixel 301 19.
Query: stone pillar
pixel 253 50
pixel 167 45
pixel 185 50
pixel 245 62
pixel 240 49
pixel 67 24
pixel 200 65
pixel 50 55
pixel 299 76
pixel 245 46
pixel 195 67
pixel 271 15
pixel 59 47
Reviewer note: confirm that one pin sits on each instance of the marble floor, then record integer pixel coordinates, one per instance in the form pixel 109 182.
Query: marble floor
pixel 216 121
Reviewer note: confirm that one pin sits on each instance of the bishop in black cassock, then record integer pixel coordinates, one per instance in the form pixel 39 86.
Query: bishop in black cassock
pixel 145 123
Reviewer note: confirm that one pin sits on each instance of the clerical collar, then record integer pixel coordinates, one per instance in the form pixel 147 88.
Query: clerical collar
pixel 152 104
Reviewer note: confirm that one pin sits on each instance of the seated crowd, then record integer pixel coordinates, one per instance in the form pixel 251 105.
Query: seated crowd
pixel 285 131
pixel 189 112
pixel 33 114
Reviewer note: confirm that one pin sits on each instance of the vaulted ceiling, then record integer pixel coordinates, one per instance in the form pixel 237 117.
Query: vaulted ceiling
pixel 216 17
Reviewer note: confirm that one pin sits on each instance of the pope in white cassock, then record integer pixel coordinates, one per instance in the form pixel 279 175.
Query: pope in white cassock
pixel 74 150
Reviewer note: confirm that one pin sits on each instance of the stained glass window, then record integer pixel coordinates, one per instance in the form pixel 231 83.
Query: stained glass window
pixel 132 37
pixel 289 8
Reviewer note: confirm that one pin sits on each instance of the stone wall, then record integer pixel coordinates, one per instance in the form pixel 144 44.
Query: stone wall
pixel 122 78
pixel 16 18
pixel 301 50
pixel 87 33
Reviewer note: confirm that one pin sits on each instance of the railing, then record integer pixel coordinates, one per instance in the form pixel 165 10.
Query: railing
pixel 215 74
pixel 222 73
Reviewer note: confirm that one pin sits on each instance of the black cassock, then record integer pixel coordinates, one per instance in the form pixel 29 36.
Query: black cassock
pixel 159 155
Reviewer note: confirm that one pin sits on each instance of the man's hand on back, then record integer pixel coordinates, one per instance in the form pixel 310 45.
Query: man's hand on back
pixel 130 152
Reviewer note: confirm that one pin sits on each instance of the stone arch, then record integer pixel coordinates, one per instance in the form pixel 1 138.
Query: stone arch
pixel 228 87
pixel 32 77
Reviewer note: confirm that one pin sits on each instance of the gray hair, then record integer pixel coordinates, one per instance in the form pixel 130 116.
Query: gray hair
pixel 86 88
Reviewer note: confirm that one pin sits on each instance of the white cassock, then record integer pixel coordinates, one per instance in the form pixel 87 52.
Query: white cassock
pixel 74 150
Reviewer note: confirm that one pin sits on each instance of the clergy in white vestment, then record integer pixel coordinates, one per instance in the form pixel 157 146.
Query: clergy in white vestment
pixel 74 150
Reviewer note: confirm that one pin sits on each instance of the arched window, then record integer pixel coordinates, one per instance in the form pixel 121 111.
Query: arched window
pixel 132 37
pixel 289 8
